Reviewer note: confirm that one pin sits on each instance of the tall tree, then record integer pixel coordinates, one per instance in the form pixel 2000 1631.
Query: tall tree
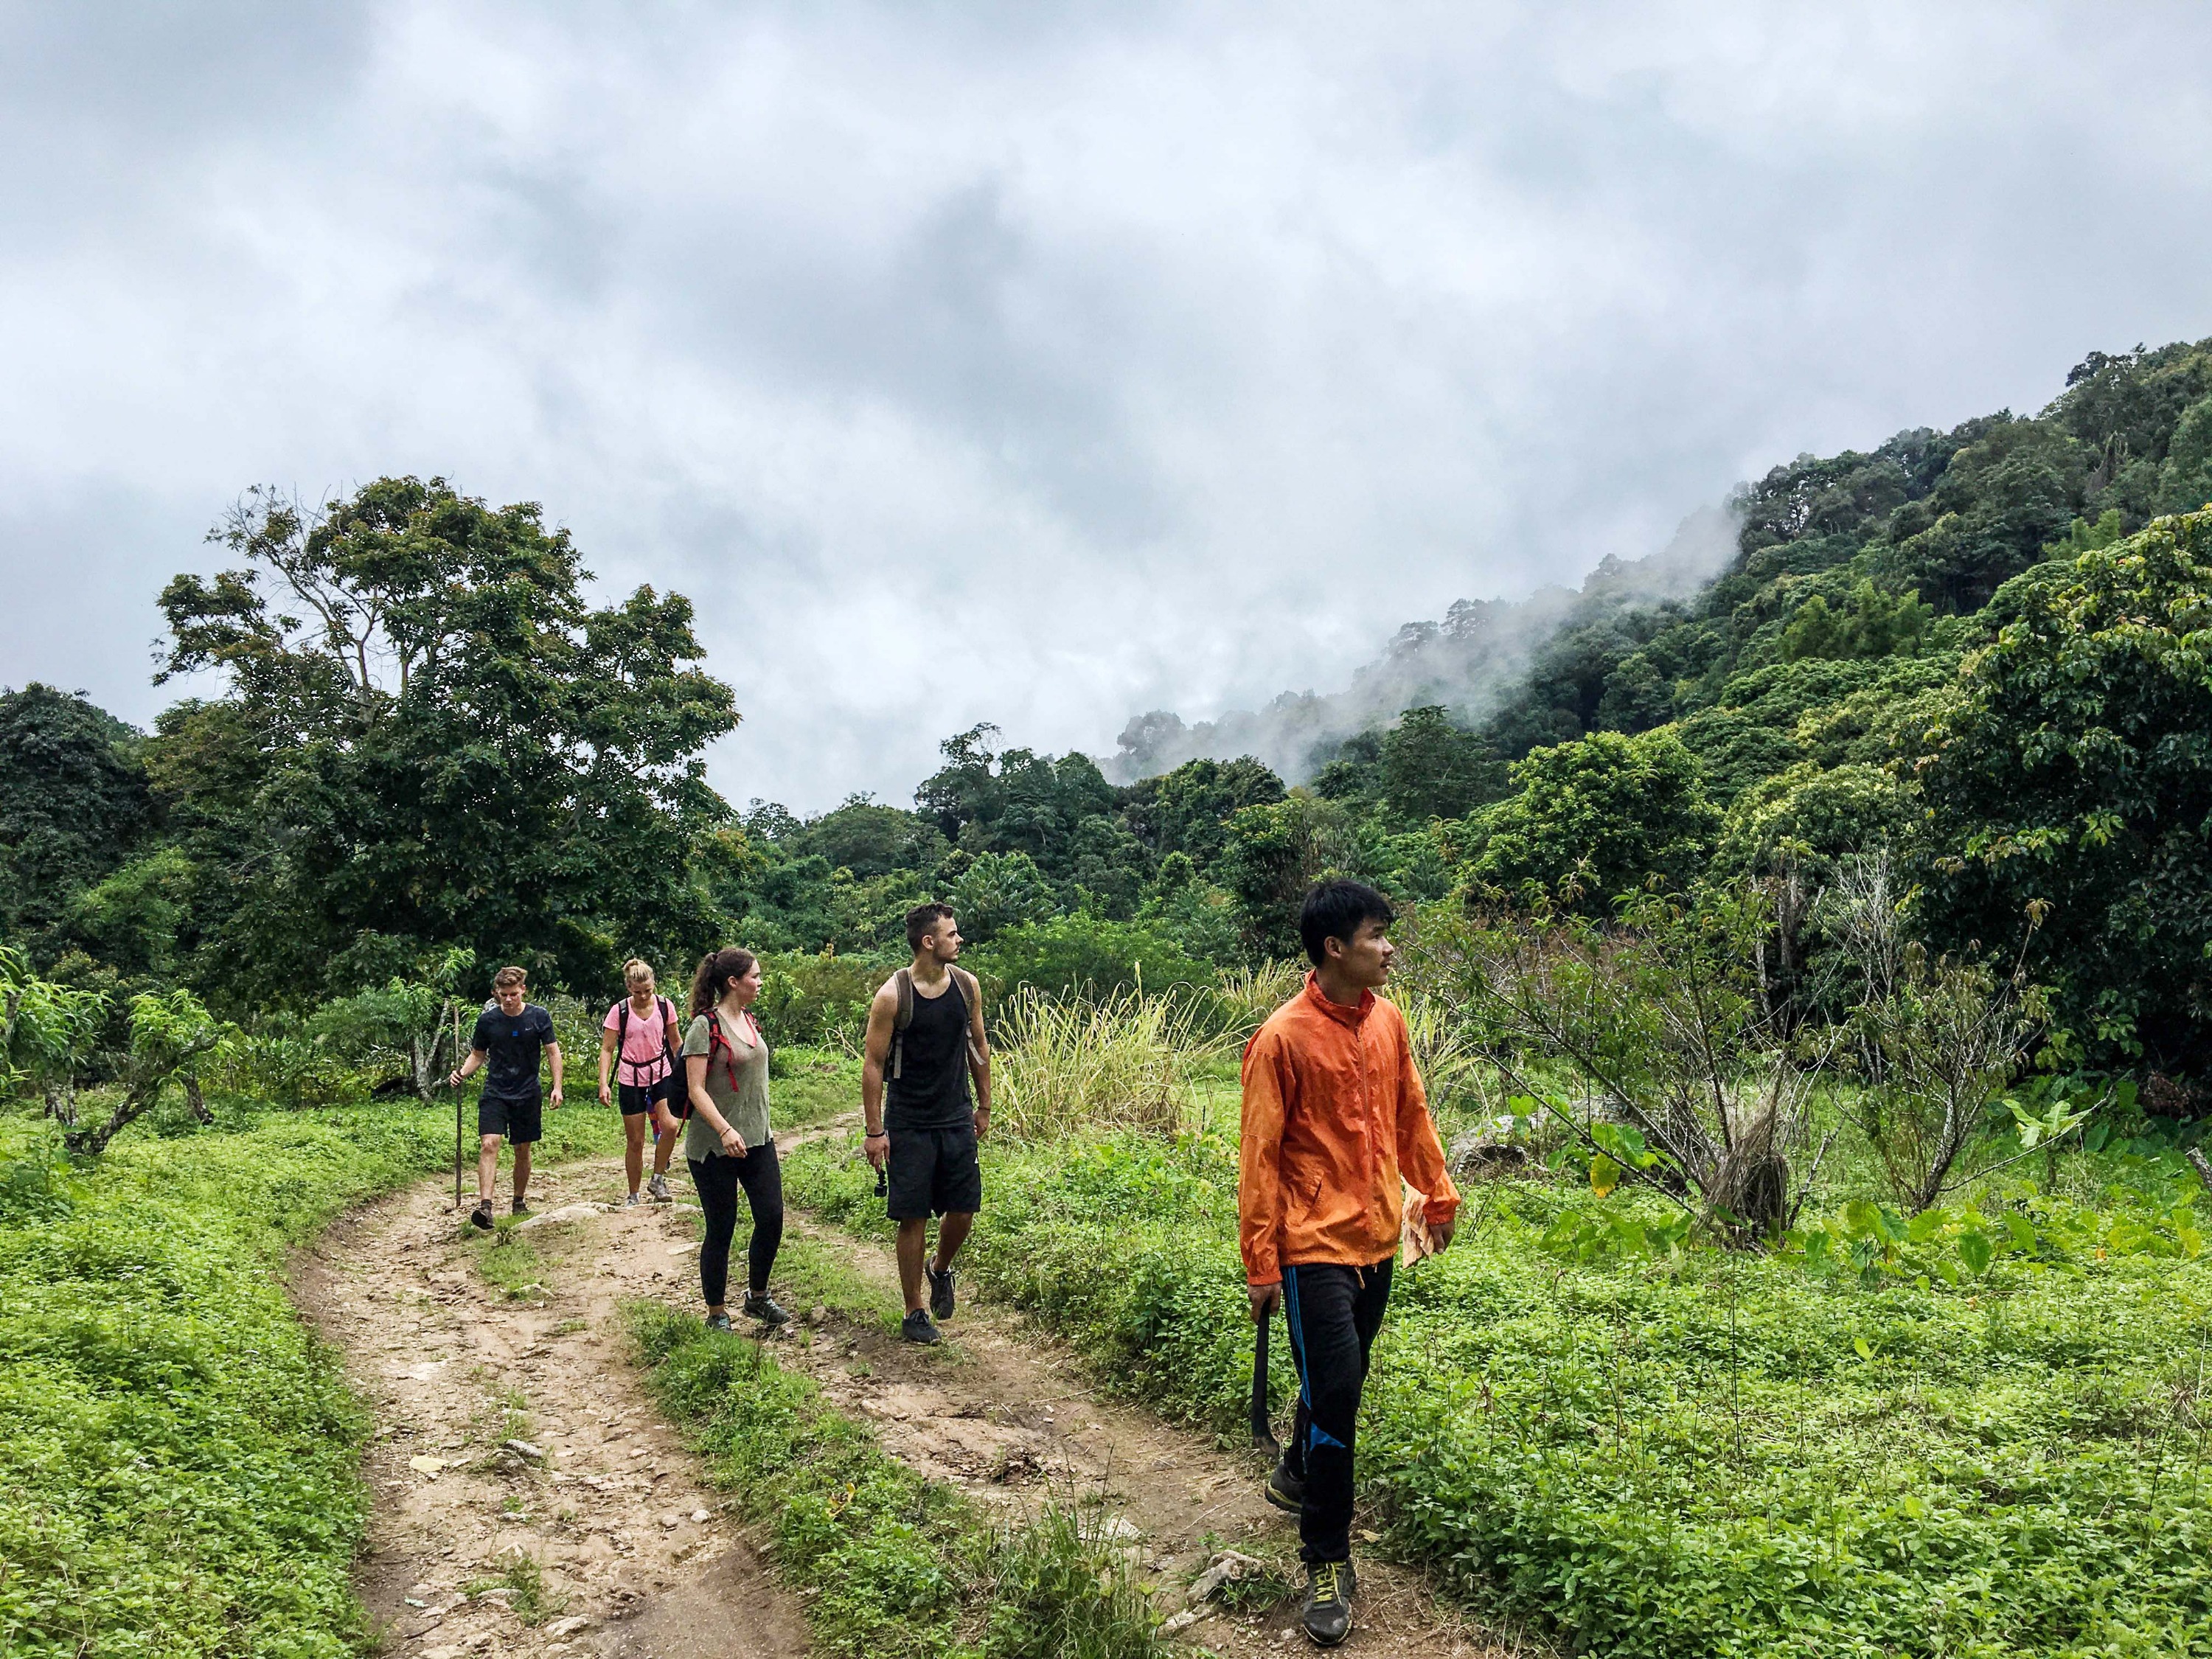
pixel 2072 788
pixel 1431 768
pixel 74 803
pixel 431 738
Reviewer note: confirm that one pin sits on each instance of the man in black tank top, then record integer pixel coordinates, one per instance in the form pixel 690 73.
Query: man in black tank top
pixel 924 1042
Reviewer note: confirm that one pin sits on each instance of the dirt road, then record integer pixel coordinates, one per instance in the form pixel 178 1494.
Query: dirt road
pixel 529 1499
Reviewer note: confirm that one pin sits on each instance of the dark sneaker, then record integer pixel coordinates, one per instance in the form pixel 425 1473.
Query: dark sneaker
pixel 719 1322
pixel 1327 1615
pixel 1349 1579
pixel 940 1291
pixel 521 1208
pixel 1284 1490
pixel 916 1328
pixel 763 1308
pixel 481 1216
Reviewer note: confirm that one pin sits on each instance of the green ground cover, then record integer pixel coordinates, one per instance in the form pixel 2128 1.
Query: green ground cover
pixel 1695 1452
pixel 888 1563
pixel 178 1458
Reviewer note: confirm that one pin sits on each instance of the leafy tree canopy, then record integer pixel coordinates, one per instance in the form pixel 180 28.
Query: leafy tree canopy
pixel 1605 813
pixel 430 738
pixel 2070 791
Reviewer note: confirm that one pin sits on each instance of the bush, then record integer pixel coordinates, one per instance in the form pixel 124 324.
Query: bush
pixel 820 1000
pixel 1081 953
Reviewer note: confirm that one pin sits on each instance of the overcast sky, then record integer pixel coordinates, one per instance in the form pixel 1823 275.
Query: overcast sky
pixel 1039 364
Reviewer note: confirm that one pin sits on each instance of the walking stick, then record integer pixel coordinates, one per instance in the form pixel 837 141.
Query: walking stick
pixel 456 1007
pixel 1263 1431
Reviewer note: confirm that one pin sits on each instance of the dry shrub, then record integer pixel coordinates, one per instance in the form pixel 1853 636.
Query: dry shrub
pixel 1127 1060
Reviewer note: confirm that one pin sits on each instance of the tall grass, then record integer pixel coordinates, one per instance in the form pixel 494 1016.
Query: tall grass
pixel 1126 1060
pixel 1248 995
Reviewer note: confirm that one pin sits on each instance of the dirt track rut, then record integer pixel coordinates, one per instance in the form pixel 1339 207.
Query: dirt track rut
pixel 637 1556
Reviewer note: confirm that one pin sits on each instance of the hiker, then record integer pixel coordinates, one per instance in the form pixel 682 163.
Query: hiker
pixel 728 1144
pixel 509 1036
pixel 925 1037
pixel 1334 1115
pixel 638 1039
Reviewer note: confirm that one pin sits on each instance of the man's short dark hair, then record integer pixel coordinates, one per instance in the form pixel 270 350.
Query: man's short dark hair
pixel 1334 910
pixel 921 921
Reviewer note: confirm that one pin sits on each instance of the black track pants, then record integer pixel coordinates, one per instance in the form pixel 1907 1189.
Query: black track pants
pixel 1332 1313
pixel 718 1179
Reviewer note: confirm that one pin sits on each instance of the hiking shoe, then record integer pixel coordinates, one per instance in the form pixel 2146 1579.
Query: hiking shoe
pixel 940 1291
pixel 719 1322
pixel 630 1202
pixel 521 1208
pixel 657 1189
pixel 1328 1615
pixel 1284 1490
pixel 763 1308
pixel 916 1328
pixel 481 1216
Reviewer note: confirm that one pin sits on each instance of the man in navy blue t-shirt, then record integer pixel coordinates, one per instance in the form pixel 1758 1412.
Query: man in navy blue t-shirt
pixel 510 1036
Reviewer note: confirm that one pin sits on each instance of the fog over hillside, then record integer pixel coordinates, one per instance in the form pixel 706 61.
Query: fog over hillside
pixel 1465 662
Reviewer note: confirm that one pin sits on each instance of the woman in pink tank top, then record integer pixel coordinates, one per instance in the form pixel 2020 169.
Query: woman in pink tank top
pixel 638 1042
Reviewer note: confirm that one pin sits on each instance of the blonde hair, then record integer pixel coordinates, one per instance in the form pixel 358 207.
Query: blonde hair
pixel 636 971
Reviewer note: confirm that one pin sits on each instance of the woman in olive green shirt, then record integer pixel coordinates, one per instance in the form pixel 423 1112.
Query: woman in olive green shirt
pixel 727 1143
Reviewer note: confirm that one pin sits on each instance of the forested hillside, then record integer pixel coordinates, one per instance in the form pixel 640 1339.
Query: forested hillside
pixel 427 739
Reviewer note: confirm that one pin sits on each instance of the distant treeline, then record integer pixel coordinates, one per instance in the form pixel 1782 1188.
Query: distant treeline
pixel 1958 647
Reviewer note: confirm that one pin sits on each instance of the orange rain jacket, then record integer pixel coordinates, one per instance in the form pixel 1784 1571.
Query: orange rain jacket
pixel 1334 1114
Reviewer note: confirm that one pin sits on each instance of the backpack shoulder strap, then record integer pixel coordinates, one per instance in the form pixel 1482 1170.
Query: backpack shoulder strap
pixel 971 994
pixel 903 983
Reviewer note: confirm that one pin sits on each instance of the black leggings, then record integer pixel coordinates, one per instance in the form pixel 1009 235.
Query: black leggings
pixel 718 1179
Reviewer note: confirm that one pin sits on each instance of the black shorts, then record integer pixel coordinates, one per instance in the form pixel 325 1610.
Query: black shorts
pixel 520 1120
pixel 935 1172
pixel 636 1097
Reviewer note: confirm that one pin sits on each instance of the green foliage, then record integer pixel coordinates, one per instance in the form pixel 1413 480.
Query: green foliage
pixel 1431 768
pixel 1273 853
pixel 179 1460
pixel 814 998
pixel 74 805
pixel 2074 784
pixel 1811 818
pixel 1872 625
pixel 999 891
pixel 1604 812
pixel 1662 1451
pixel 446 745
pixel 889 1564
pixel 1071 953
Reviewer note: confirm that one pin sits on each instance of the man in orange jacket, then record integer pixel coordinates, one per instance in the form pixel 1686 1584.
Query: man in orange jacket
pixel 1334 1114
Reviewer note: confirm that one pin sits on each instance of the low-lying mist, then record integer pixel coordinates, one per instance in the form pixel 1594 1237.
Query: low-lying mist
pixel 1467 662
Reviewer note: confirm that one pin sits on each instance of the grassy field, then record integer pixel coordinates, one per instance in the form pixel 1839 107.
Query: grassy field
pixel 179 1460
pixel 1693 1452
pixel 888 1563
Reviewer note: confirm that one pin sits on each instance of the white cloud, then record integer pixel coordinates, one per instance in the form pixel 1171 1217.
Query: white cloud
pixel 1040 366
